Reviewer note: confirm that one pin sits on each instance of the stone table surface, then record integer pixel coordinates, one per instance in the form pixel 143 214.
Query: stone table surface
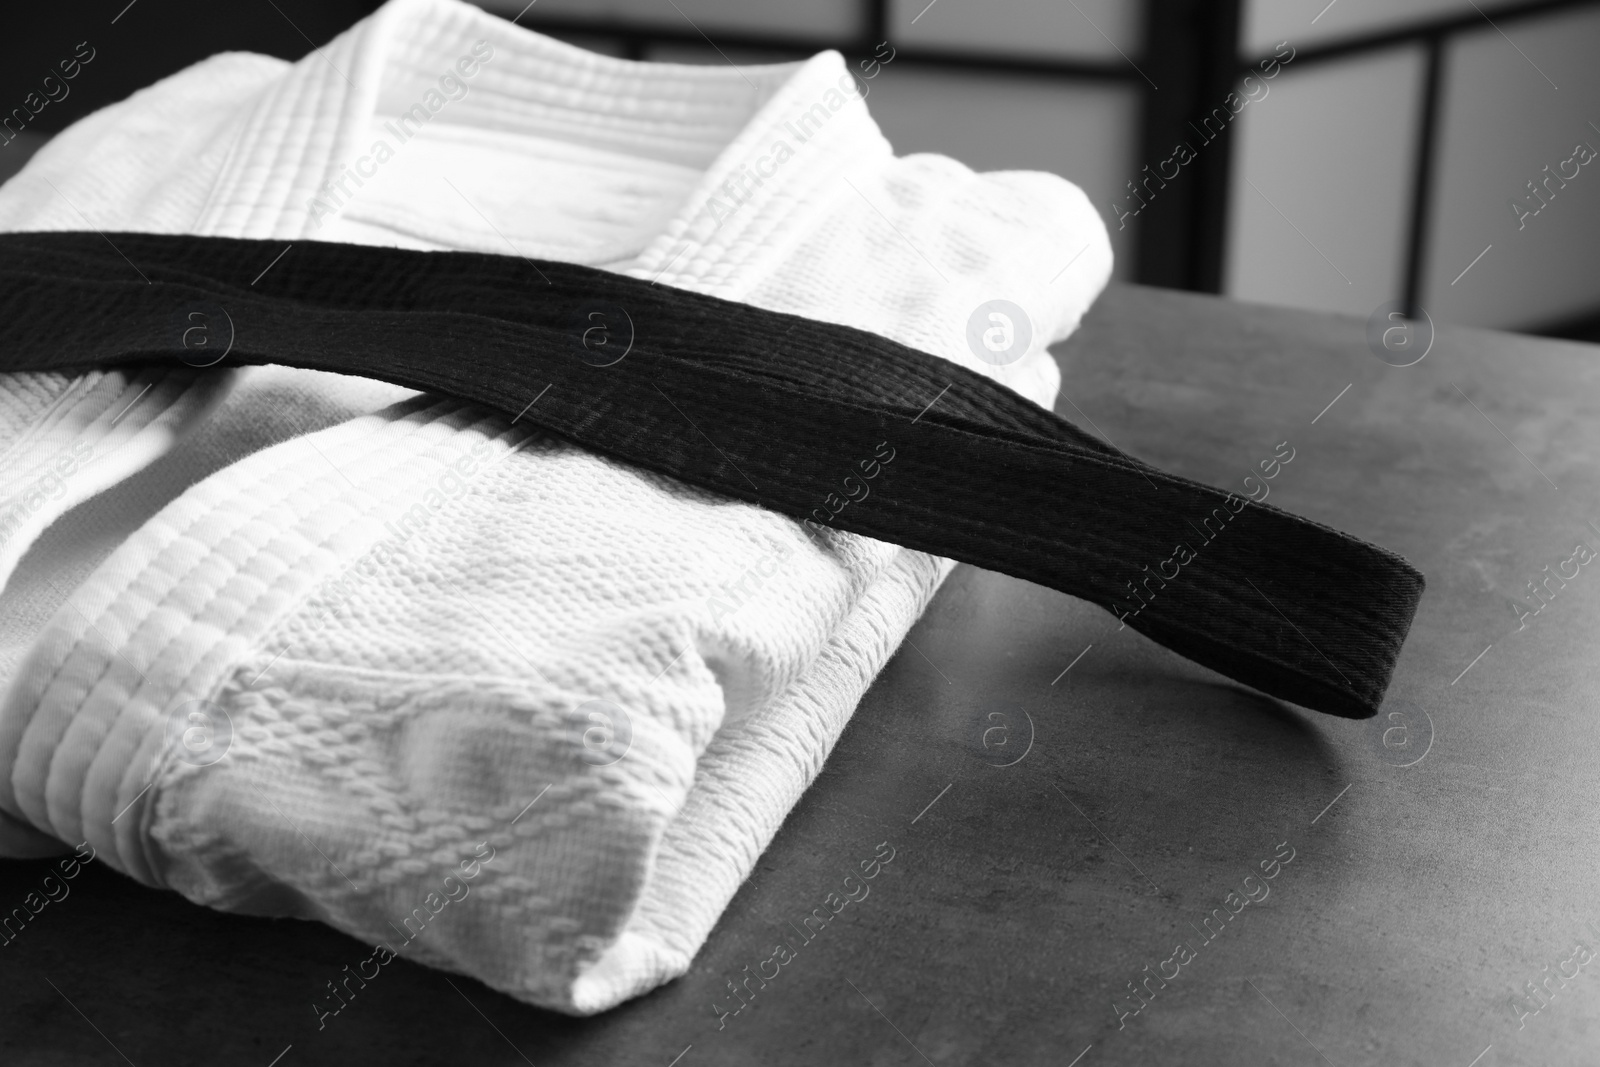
pixel 1426 865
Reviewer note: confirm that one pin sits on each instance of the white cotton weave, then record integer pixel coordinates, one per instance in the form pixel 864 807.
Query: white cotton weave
pixel 400 623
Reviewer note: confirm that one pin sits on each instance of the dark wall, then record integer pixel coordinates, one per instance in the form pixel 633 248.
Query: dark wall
pixel 147 41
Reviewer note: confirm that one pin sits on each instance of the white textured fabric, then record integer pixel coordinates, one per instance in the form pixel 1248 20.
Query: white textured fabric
pixel 400 623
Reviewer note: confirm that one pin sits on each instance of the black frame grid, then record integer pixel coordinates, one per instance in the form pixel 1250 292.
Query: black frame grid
pixel 1435 36
pixel 1191 49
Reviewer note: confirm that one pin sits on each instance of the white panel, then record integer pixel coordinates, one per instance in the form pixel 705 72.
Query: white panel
pixel 1085 133
pixel 1321 186
pixel 1079 29
pixel 1307 22
pixel 840 19
pixel 1503 124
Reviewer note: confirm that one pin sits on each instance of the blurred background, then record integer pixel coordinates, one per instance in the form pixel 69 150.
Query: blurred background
pixel 1336 156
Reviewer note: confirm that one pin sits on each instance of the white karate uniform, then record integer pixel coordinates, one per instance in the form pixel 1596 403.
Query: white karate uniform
pixel 401 690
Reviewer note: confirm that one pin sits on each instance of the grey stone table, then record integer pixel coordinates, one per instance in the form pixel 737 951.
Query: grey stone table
pixel 1424 867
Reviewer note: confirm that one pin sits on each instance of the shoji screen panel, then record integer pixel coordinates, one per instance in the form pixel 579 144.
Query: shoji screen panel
pixel 1320 196
pixel 1086 29
pixel 1512 108
pixel 1309 22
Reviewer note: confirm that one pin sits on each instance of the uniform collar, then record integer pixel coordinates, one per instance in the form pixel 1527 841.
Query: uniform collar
pixel 765 137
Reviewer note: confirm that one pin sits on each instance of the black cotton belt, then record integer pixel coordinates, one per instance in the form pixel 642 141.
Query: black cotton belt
pixel 820 422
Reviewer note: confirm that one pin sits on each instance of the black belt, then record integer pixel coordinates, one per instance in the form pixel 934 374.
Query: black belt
pixel 820 422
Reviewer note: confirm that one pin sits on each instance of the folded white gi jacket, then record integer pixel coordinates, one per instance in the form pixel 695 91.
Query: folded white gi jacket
pixel 305 645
